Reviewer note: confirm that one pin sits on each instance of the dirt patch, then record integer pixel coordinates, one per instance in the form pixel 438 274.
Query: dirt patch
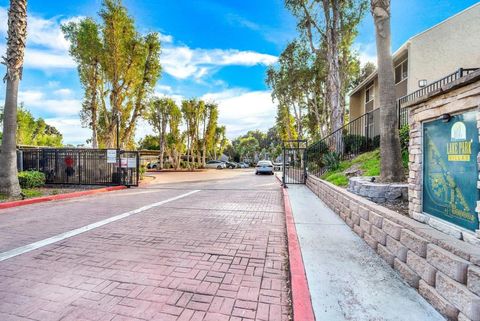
pixel 400 207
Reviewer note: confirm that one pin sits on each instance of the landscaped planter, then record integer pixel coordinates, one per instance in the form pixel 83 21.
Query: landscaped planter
pixel 378 192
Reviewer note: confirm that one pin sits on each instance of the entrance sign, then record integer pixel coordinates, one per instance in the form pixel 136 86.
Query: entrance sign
pixel 111 156
pixel 131 162
pixel 450 169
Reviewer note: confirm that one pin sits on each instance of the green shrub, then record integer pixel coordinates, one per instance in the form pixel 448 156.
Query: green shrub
pixel 142 170
pixel 375 142
pixel 331 160
pixel 404 137
pixel 354 143
pixel 31 179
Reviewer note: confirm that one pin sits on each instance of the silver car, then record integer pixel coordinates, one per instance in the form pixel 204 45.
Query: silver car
pixel 264 167
pixel 215 164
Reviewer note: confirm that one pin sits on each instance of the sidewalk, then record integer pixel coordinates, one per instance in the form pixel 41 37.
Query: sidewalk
pixel 346 278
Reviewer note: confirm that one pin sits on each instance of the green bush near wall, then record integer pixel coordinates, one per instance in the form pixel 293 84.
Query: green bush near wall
pixel 31 179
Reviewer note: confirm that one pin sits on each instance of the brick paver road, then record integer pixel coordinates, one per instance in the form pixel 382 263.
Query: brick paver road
pixel 218 254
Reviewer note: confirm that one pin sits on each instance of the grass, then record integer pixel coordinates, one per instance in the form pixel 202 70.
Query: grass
pixel 28 192
pixel 31 192
pixel 369 163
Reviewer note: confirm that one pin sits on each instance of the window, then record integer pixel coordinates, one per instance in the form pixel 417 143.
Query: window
pixel 401 71
pixel 369 95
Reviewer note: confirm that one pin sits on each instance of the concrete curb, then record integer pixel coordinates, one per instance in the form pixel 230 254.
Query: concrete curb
pixel 301 300
pixel 59 197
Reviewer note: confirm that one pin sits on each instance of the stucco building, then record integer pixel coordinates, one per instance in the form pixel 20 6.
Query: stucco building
pixel 426 57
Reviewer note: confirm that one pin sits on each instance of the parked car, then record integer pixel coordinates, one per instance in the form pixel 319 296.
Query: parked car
pixel 243 165
pixel 264 167
pixel 152 165
pixel 231 165
pixel 215 164
pixel 278 167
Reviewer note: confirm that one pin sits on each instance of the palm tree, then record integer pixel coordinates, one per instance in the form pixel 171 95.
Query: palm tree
pixel 17 35
pixel 391 168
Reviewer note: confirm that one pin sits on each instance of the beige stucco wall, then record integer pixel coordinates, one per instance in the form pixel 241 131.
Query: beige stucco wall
pixel 444 48
pixel 356 106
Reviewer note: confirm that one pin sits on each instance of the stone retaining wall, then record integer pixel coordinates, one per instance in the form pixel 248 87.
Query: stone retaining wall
pixel 444 270
pixel 378 192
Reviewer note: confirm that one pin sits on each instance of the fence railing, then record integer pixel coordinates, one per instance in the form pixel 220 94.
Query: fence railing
pixel 435 86
pixel 358 136
pixel 81 166
pixel 363 133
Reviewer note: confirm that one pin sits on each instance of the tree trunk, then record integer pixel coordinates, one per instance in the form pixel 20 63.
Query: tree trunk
pixel 162 139
pixel 334 84
pixel 391 168
pixel 8 156
pixel 17 34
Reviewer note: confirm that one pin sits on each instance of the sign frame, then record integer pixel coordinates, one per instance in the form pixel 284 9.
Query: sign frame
pixel 112 156
pixel 423 176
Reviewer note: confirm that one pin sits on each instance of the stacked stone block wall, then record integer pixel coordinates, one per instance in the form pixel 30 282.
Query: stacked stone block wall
pixel 444 270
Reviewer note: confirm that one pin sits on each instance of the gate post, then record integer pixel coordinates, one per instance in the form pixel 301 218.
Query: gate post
pixel 305 162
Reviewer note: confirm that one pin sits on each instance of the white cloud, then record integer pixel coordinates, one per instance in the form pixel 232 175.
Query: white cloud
pixel 46 47
pixel 166 38
pixel 38 103
pixel 63 92
pixel 366 52
pixel 183 62
pixel 241 110
pixel 71 129
pixel 159 89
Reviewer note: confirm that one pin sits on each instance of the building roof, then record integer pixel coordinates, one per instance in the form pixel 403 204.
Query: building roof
pixel 398 53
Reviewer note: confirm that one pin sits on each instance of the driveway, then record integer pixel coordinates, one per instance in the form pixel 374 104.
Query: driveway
pixel 188 247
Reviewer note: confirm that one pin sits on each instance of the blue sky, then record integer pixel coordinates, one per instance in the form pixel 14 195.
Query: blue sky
pixel 211 49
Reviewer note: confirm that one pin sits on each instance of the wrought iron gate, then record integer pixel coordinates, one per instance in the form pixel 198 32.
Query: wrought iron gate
pixel 294 170
pixel 75 166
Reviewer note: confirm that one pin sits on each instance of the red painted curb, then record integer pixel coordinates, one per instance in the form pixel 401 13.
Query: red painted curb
pixel 59 197
pixel 301 300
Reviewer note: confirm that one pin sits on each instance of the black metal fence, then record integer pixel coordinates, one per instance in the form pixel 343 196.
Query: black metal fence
pixel 358 136
pixel 294 170
pixel 435 86
pixel 82 166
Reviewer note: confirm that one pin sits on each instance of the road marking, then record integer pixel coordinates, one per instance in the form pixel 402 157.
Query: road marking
pixel 36 245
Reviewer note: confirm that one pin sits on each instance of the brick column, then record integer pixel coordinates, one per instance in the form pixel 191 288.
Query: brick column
pixel 415 169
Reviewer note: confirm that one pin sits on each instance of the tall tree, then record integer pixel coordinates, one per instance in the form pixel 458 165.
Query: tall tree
pixel 17 36
pixel 86 49
pixel 221 141
pixel 210 126
pixel 175 137
pixel 189 115
pixel 330 26
pixel 118 69
pixel 158 116
pixel 391 168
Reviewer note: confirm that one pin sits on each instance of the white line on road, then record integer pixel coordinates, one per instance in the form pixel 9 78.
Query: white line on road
pixel 36 245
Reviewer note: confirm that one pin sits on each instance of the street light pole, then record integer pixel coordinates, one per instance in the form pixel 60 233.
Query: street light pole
pixel 118 131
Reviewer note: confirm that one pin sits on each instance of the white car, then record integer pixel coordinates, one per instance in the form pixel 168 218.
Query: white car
pixel 215 164
pixel 264 167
